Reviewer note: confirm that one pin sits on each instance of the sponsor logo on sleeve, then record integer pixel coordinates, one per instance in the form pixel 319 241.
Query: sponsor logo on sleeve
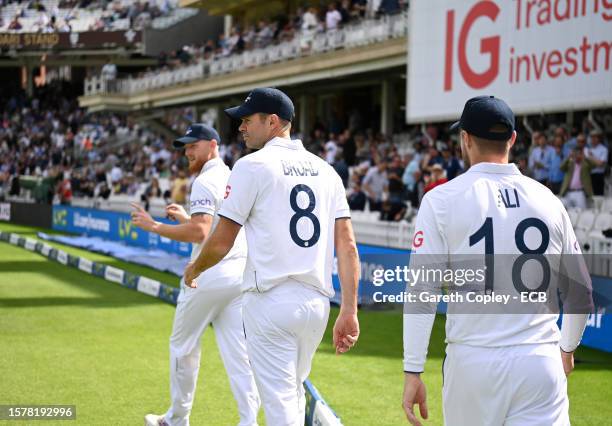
pixel 418 239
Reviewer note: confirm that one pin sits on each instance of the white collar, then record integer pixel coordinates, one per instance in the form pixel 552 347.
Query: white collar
pixel 497 168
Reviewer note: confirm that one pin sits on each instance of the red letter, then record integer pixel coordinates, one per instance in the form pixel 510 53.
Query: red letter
pixel 571 60
pixel 554 60
pixel 448 65
pixel 487 45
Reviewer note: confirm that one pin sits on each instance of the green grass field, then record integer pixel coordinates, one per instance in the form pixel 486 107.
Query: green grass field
pixel 71 338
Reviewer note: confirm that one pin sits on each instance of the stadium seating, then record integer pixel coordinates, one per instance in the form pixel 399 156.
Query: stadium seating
pixel 360 34
pixel 82 19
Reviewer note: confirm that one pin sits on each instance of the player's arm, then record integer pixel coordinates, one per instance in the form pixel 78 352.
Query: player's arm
pixel 216 247
pixel 346 329
pixel 428 251
pixel 576 295
pixel 241 193
pixel 194 230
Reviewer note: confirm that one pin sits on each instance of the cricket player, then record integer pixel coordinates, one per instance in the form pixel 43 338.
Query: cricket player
pixel 501 368
pixel 293 207
pixel 217 299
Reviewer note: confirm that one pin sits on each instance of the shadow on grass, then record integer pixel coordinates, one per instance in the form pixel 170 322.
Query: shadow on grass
pixel 107 294
pixel 44 302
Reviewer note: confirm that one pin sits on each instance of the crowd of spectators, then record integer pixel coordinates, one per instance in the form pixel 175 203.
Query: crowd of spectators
pixel 60 18
pixel 305 22
pixel 78 154
pixel 392 177
pixel 99 155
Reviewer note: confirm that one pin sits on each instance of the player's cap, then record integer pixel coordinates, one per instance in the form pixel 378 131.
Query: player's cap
pixel 197 132
pixel 267 100
pixel 486 117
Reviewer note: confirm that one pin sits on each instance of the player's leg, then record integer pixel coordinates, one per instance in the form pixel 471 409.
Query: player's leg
pixel 540 398
pixel 195 310
pixel 309 341
pixel 229 331
pixel 475 390
pixel 275 323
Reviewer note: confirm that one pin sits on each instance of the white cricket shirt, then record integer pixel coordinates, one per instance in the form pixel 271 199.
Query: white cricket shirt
pixel 206 197
pixel 287 199
pixel 490 205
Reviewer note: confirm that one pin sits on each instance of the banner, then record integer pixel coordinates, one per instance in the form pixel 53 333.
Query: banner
pixel 5 211
pixel 544 56
pixel 113 226
pixel 74 40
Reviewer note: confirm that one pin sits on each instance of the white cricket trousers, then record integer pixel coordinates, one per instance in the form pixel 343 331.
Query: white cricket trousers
pixel 522 385
pixel 284 326
pixel 219 304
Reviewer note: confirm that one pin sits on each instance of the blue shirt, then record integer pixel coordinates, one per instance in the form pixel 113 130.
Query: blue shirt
pixel 555 174
pixel 541 155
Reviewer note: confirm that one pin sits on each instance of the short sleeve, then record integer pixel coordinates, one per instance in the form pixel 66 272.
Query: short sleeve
pixel 202 199
pixel 342 207
pixel 240 193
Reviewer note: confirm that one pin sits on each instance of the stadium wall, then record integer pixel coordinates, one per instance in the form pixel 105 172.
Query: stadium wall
pixel 30 214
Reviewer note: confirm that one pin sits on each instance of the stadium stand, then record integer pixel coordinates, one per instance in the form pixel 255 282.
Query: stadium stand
pixel 279 41
pixel 49 16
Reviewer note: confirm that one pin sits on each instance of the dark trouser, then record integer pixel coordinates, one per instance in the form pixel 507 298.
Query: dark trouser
pixel 555 187
pixel 598 183
pixel 375 206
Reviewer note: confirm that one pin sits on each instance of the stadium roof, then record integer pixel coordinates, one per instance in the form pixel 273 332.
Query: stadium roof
pixel 227 7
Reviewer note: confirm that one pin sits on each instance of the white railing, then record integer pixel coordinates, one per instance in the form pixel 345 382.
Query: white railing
pixel 361 34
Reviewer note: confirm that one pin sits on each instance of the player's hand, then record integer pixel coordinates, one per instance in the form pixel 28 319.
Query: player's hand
pixel 346 331
pixel 414 393
pixel 177 212
pixel 142 219
pixel 568 362
pixel 190 275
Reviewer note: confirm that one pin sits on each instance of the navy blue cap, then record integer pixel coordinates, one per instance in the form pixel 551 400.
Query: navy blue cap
pixel 483 114
pixel 266 100
pixel 197 132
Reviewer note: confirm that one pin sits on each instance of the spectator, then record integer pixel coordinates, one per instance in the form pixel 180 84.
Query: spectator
pixel 345 11
pixel 395 171
pixel 375 184
pixel 389 7
pixel 451 164
pixel 577 188
pixel 341 167
pixel 412 174
pixel 178 193
pixel 310 24
pixel 333 17
pixel 64 190
pixel 15 24
pixel 540 157
pixel 331 148
pixel 436 178
pixel 555 174
pixel 597 153
pixel 356 197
